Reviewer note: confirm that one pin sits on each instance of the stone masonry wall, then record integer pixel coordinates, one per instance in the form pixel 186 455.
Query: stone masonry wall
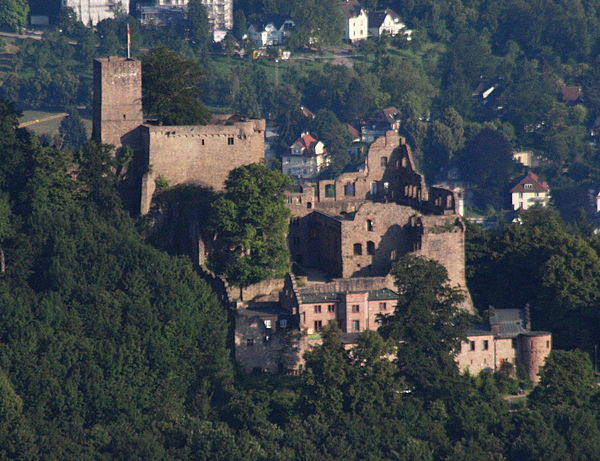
pixel 117 101
pixel 380 230
pixel 202 155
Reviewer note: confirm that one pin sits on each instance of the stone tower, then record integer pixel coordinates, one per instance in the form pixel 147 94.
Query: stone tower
pixel 117 101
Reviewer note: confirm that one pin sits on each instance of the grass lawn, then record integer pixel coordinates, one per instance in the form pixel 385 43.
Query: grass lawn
pixel 49 127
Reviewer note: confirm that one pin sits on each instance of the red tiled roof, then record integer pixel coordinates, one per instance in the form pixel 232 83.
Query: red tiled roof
pixel 571 93
pixel 536 184
pixel 307 112
pixel 353 131
pixel 307 142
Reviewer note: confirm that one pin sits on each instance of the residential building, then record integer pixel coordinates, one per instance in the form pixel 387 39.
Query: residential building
pixel 383 121
pixel 94 11
pixel 356 21
pixel 386 22
pixel 528 158
pixel 306 158
pixel 530 191
pixel 271 31
pixel 219 12
pixel 504 343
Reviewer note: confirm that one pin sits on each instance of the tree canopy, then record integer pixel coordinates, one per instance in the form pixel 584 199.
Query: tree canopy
pixel 249 223
pixel 171 90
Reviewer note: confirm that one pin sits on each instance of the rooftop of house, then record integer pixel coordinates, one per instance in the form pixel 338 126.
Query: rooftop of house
pixel 306 142
pixel 571 93
pixel 376 18
pixel 530 183
pixel 307 112
pixel 278 20
pixel 354 133
pixel 351 8
pixel 505 324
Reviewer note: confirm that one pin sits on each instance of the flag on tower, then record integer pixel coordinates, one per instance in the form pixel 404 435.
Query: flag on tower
pixel 128 42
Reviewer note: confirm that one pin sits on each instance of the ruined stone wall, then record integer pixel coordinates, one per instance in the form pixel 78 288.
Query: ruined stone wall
pixel 505 352
pixel 443 240
pixel 117 103
pixel 202 155
pixel 322 243
pixel 274 350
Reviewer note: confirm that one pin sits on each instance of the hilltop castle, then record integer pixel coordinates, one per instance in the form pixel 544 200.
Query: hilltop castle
pixel 199 154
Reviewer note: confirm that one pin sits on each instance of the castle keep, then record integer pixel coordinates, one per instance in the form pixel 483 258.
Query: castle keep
pixel 200 154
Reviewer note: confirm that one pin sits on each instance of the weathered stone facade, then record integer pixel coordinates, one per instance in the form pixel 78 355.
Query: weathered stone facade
pixel 203 154
pixel 507 340
pixel 200 154
pixel 357 224
pixel 117 108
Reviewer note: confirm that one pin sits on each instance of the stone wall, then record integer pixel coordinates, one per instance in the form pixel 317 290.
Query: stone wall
pixel 479 359
pixel 443 240
pixel 534 348
pixel 373 237
pixel 274 350
pixel 117 104
pixel 202 155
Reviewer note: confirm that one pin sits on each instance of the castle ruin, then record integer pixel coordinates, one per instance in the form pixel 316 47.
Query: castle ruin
pixel 200 154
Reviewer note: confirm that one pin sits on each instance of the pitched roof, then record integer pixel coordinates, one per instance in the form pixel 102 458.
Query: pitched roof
pixel 390 114
pixel 571 93
pixel 353 131
pixel 376 18
pixel 276 19
pixel 351 8
pixel 307 143
pixel 536 184
pixel 307 112
pixel 509 323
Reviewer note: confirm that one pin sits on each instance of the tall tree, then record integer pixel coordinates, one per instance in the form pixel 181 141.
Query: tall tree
pixel 249 224
pixel 199 28
pixel 428 323
pixel 13 14
pixel 171 90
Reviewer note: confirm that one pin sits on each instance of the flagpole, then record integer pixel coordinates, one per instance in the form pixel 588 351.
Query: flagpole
pixel 128 42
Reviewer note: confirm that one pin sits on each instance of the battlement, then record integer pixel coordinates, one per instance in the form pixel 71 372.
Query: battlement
pixel 199 154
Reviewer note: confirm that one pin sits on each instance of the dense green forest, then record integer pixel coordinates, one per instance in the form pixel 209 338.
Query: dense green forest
pixel 112 349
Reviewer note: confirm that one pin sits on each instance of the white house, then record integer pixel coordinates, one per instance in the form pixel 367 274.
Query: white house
pixel 356 24
pixel 386 22
pixel 271 31
pixel 306 157
pixel 530 191
pixel 94 11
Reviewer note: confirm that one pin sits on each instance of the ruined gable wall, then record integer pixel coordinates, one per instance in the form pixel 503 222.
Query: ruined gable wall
pixel 443 240
pixel 202 155
pixel 389 235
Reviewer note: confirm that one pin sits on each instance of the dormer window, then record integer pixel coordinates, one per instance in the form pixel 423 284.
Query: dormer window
pixel 528 186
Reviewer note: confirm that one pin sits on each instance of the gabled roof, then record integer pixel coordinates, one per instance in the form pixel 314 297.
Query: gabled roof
pixel 537 185
pixel 390 114
pixel 509 323
pixel 351 8
pixel 571 93
pixel 376 18
pixel 354 133
pixel 276 19
pixel 307 112
pixel 307 143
